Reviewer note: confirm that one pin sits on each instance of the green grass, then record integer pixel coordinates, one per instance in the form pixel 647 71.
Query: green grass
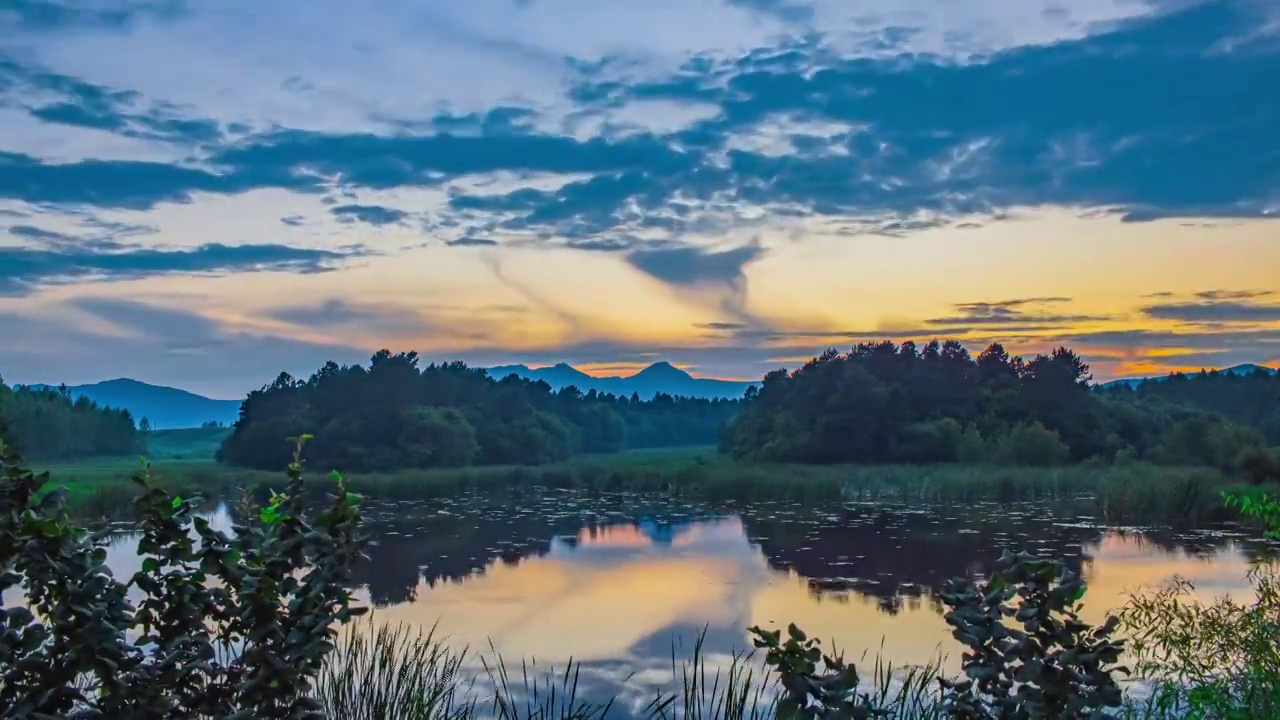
pixel 102 486
pixel 186 443
pixel 1136 493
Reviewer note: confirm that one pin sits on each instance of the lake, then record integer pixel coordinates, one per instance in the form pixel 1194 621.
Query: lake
pixel 614 581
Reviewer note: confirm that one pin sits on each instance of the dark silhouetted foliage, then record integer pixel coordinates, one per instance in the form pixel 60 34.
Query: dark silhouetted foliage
pixel 885 403
pixel 394 414
pixel 1044 665
pixel 228 626
pixel 48 424
pixel 1249 399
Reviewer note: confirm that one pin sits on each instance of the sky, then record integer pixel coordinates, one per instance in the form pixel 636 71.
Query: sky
pixel 205 194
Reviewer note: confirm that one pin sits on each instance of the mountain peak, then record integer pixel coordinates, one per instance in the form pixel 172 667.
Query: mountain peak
pixel 1248 368
pixel 564 367
pixel 662 369
pixel 165 407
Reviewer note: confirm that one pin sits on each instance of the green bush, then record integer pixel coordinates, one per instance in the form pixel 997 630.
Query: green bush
pixel 229 626
pixel 1046 665
pixel 1031 445
pixel 936 441
pixel 1218 661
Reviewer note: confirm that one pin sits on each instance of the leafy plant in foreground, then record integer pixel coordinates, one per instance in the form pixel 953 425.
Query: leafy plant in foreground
pixel 1046 664
pixel 810 690
pixel 231 626
pixel 1219 660
pixel 1265 509
pixel 1216 661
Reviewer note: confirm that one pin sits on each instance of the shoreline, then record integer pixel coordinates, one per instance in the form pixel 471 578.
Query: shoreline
pixel 1118 493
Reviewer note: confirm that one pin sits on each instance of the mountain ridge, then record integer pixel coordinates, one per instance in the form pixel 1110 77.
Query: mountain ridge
pixel 164 407
pixel 1241 369
pixel 171 408
pixel 661 376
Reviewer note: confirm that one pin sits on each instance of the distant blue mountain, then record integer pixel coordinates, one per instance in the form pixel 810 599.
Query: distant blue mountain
pixel 166 408
pixel 1245 369
pixel 658 377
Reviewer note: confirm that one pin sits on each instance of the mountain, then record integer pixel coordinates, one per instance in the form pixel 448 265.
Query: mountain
pixel 165 408
pixel 1244 369
pixel 658 377
pixel 168 408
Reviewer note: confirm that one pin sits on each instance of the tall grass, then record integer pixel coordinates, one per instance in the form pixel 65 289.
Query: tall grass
pixel 1133 493
pixel 742 691
pixel 383 671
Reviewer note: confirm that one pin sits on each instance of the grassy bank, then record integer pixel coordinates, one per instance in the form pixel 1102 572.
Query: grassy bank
pixel 186 443
pixel 1136 493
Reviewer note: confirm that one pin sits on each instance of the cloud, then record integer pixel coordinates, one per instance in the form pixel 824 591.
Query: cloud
pixel 469 241
pixel 136 185
pixel 163 345
pixel 534 297
pixel 35 233
pixel 1138 116
pixel 1007 314
pixel 648 130
pixel 24 269
pixel 65 100
pixel 66 14
pixel 1004 306
pixel 1224 311
pixel 1216 295
pixel 337 314
pixel 721 326
pixel 691 266
pixel 370 214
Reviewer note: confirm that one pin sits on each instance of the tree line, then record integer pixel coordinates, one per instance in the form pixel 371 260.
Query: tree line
pixel 48 424
pixel 1251 399
pixel 889 403
pixel 396 414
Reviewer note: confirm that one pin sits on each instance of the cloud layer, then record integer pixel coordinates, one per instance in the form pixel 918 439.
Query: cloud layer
pixel 695 145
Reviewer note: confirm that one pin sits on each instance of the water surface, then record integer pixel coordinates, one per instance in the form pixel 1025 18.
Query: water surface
pixel 614 582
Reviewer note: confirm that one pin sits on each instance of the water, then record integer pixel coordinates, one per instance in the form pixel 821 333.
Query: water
pixel 614 582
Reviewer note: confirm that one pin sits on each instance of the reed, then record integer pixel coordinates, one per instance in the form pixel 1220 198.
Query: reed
pixel 1127 493
pixel 389 671
pixel 386 671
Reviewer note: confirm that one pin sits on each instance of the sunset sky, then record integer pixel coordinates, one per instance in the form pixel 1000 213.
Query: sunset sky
pixel 203 194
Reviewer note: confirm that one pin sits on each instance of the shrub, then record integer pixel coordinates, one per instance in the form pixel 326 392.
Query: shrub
pixel 1033 445
pixel 1260 466
pixel 1215 660
pixel 934 441
pixel 226 627
pixel 1053 666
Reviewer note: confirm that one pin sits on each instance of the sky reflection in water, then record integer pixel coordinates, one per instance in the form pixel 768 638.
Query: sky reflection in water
pixel 613 583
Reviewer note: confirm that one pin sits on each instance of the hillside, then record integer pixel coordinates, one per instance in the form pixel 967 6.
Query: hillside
pixel 658 377
pixel 166 408
pixel 1245 369
pixel 186 444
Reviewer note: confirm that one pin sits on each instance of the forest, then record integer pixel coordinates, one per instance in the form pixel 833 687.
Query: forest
pixel 878 403
pixel 395 414
pixel 47 424
pixel 1251 399
pixel 889 403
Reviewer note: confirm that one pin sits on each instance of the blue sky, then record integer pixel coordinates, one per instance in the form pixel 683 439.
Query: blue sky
pixel 204 194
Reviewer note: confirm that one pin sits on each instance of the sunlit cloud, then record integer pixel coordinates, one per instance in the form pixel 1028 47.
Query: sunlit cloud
pixel 727 184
